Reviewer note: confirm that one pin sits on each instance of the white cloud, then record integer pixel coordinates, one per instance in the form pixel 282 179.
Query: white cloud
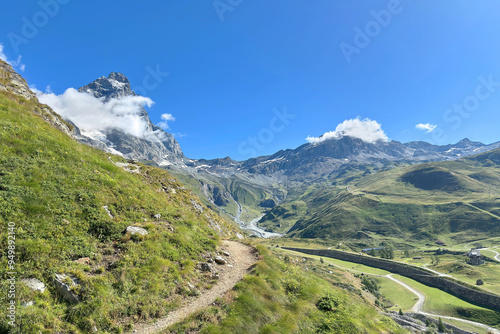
pixel 165 119
pixel 427 127
pixel 179 135
pixel 16 64
pixel 365 129
pixel 92 114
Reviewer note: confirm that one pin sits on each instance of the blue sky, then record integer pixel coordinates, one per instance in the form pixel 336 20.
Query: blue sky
pixel 232 71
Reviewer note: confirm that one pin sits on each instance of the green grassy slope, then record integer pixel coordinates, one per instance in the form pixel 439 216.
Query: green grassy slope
pixel 54 190
pixel 281 297
pixel 249 196
pixel 457 199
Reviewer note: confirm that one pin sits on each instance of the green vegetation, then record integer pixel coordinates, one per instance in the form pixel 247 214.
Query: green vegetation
pixel 442 303
pixel 439 203
pixel 399 297
pixel 54 190
pixel 281 218
pixel 355 267
pixel 488 273
pixel 233 189
pixel 393 296
pixel 279 297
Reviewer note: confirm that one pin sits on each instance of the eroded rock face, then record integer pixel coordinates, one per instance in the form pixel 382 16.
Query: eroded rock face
pixel 217 195
pixel 13 83
pixel 64 285
pixel 34 284
pixel 115 85
pixel 136 229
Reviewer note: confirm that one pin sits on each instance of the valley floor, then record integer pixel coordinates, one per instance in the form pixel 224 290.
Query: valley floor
pixel 241 259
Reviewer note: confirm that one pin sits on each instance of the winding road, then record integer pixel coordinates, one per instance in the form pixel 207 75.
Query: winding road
pixel 497 256
pixel 419 305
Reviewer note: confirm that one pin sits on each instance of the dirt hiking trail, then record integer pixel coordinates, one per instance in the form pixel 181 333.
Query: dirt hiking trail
pixel 241 259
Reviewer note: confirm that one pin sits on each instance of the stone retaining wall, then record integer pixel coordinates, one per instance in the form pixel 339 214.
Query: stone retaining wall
pixel 477 297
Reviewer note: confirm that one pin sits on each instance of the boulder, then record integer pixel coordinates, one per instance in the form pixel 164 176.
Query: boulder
pixel 64 285
pixel 206 267
pixel 157 216
pixel 83 260
pixel 226 253
pixel 220 260
pixel 136 229
pixel 196 205
pixel 28 304
pixel 193 291
pixel 34 284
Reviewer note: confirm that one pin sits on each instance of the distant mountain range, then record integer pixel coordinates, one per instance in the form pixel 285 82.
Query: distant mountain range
pixel 308 161
pixel 249 188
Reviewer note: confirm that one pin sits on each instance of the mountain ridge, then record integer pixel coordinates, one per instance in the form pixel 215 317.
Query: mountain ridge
pixel 289 162
pixel 249 187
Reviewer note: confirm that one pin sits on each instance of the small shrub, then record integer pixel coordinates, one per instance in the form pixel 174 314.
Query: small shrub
pixel 328 303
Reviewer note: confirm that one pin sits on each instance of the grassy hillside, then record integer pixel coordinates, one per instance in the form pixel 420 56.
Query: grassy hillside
pixel 456 200
pixel 249 196
pixel 69 206
pixel 281 297
pixel 54 190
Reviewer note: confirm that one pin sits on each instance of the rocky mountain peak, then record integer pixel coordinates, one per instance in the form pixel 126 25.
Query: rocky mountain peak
pixel 468 143
pixel 120 77
pixel 154 145
pixel 115 85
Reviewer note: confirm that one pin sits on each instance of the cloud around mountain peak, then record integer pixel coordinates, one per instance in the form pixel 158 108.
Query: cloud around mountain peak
pixel 365 129
pixel 93 114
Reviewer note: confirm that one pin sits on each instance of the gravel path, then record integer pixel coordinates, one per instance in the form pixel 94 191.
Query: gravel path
pixel 242 257
pixel 417 308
